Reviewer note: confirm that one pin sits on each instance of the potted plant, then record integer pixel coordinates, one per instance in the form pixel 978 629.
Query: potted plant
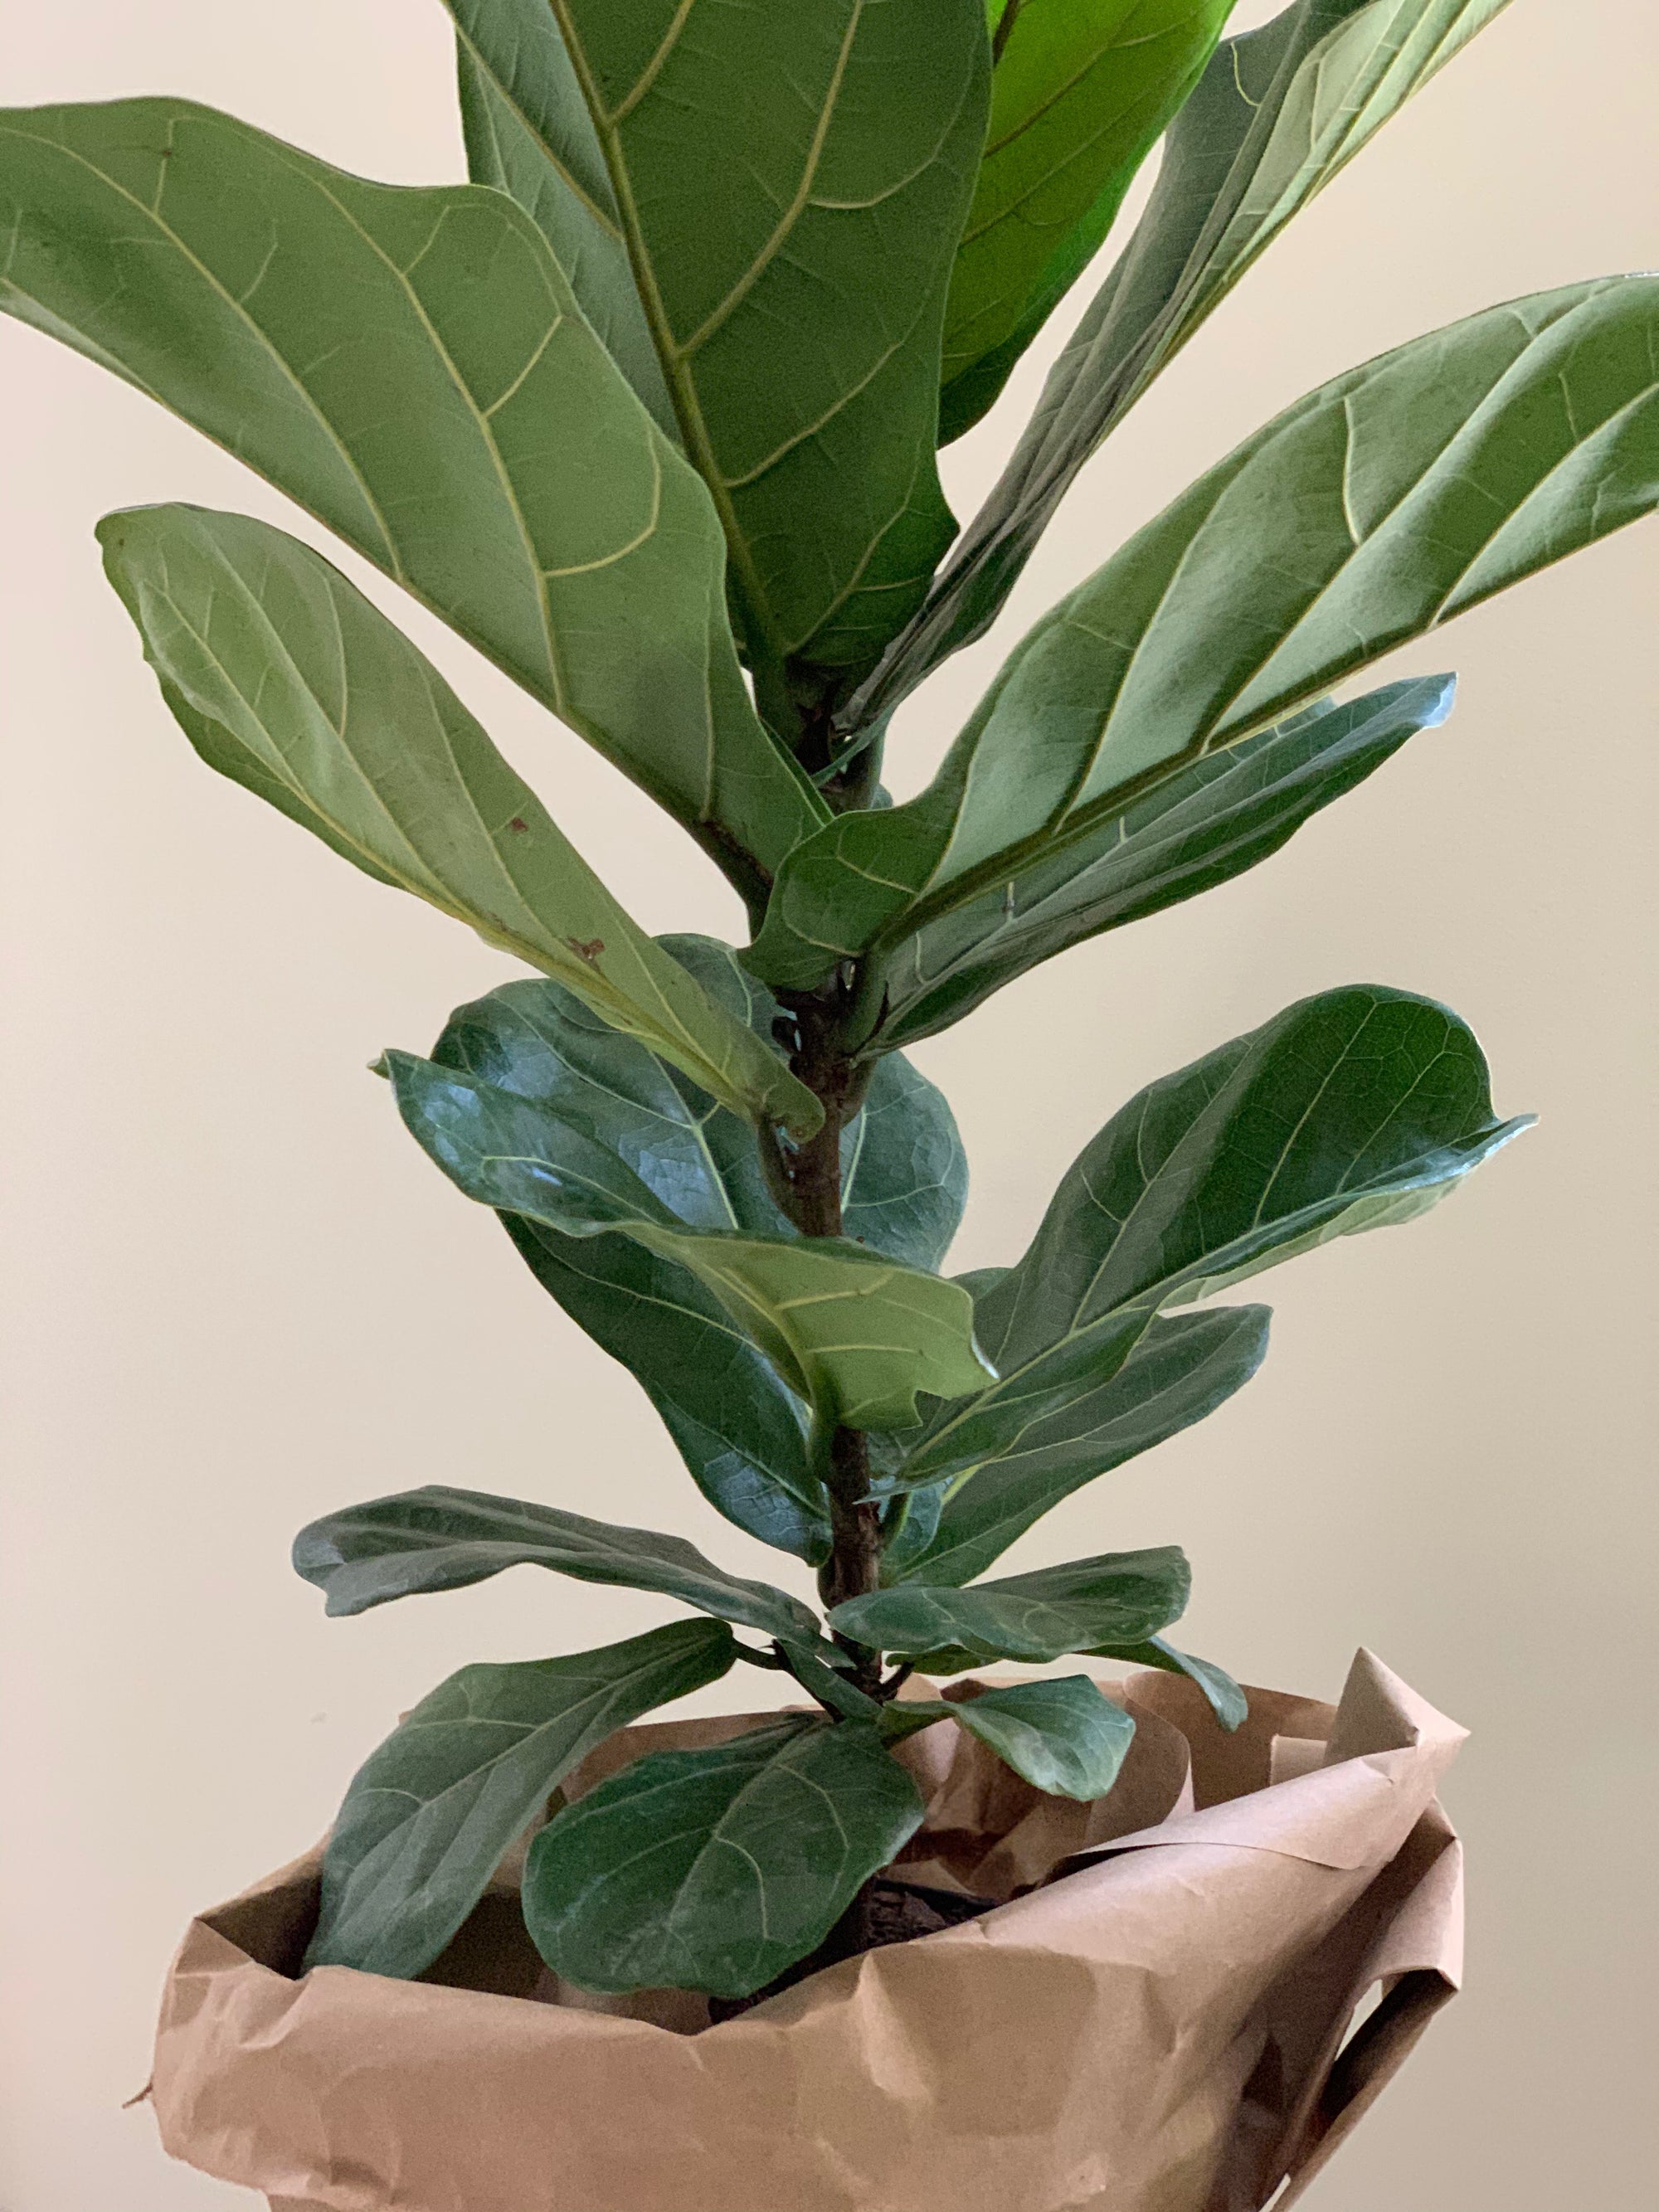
pixel 648 411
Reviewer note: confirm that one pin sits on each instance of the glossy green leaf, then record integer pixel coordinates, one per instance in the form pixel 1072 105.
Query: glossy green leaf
pixel 1374 510
pixel 287 680
pixel 1119 1597
pixel 792 183
pixel 1348 1111
pixel 1178 1373
pixel 904 1175
pixel 1191 833
pixel 855 1334
pixel 528 135
pixel 1065 1735
pixel 1277 114
pixel 410 364
pixel 1081 92
pixel 429 1816
pixel 440 1538
pixel 1227 1700
pixel 717 1869
pixel 742 1430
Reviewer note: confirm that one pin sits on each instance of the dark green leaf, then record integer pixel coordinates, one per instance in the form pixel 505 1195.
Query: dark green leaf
pixel 904 1176
pixel 440 1539
pixel 742 1432
pixel 290 682
pixel 1231 1705
pixel 1119 1597
pixel 528 135
pixel 1082 90
pixel 855 1334
pixel 428 1817
pixel 717 1869
pixel 411 365
pixel 830 1685
pixel 1198 830
pixel 1277 114
pixel 1179 1372
pixel 1064 1736
pixel 1348 1111
pixel 1366 516
pixel 792 182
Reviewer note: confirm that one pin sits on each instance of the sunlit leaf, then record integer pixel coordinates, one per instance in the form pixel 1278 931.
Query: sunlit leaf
pixel 287 680
pixel 411 365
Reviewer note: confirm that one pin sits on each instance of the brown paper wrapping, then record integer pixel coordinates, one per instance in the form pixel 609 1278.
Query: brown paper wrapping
pixel 1163 2024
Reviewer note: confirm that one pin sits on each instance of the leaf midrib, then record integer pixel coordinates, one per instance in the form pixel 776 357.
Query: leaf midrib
pixel 687 407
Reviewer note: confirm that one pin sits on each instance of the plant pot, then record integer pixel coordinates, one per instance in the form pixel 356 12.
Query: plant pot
pixel 1154 2021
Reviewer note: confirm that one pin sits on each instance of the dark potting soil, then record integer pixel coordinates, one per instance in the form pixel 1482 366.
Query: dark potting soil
pixel 885 1910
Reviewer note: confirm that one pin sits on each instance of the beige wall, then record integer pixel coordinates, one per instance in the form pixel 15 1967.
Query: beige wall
pixel 237 1296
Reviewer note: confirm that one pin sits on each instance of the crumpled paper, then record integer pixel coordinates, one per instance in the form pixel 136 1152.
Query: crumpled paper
pixel 1159 2017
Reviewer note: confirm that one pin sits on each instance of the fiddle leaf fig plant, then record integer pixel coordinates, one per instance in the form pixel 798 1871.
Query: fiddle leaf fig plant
pixel 649 412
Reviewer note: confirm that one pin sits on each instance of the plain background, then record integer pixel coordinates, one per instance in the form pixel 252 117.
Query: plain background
pixel 237 1296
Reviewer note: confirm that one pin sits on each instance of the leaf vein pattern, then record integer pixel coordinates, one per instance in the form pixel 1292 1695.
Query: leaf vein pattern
pixel 392 558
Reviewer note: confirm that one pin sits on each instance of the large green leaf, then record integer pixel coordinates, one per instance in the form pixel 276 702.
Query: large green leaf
pixel 717 1869
pixel 1065 1736
pixel 742 1430
pixel 792 182
pixel 440 1538
pixel 1119 1597
pixel 1277 114
pixel 287 680
pixel 1366 516
pixel 1082 90
pixel 1348 1111
pixel 513 105
pixel 855 1334
pixel 429 1815
pixel 411 365
pixel 1198 830
pixel 1178 1372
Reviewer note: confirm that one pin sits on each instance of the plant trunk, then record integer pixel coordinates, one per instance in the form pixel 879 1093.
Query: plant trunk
pixel 807 1181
